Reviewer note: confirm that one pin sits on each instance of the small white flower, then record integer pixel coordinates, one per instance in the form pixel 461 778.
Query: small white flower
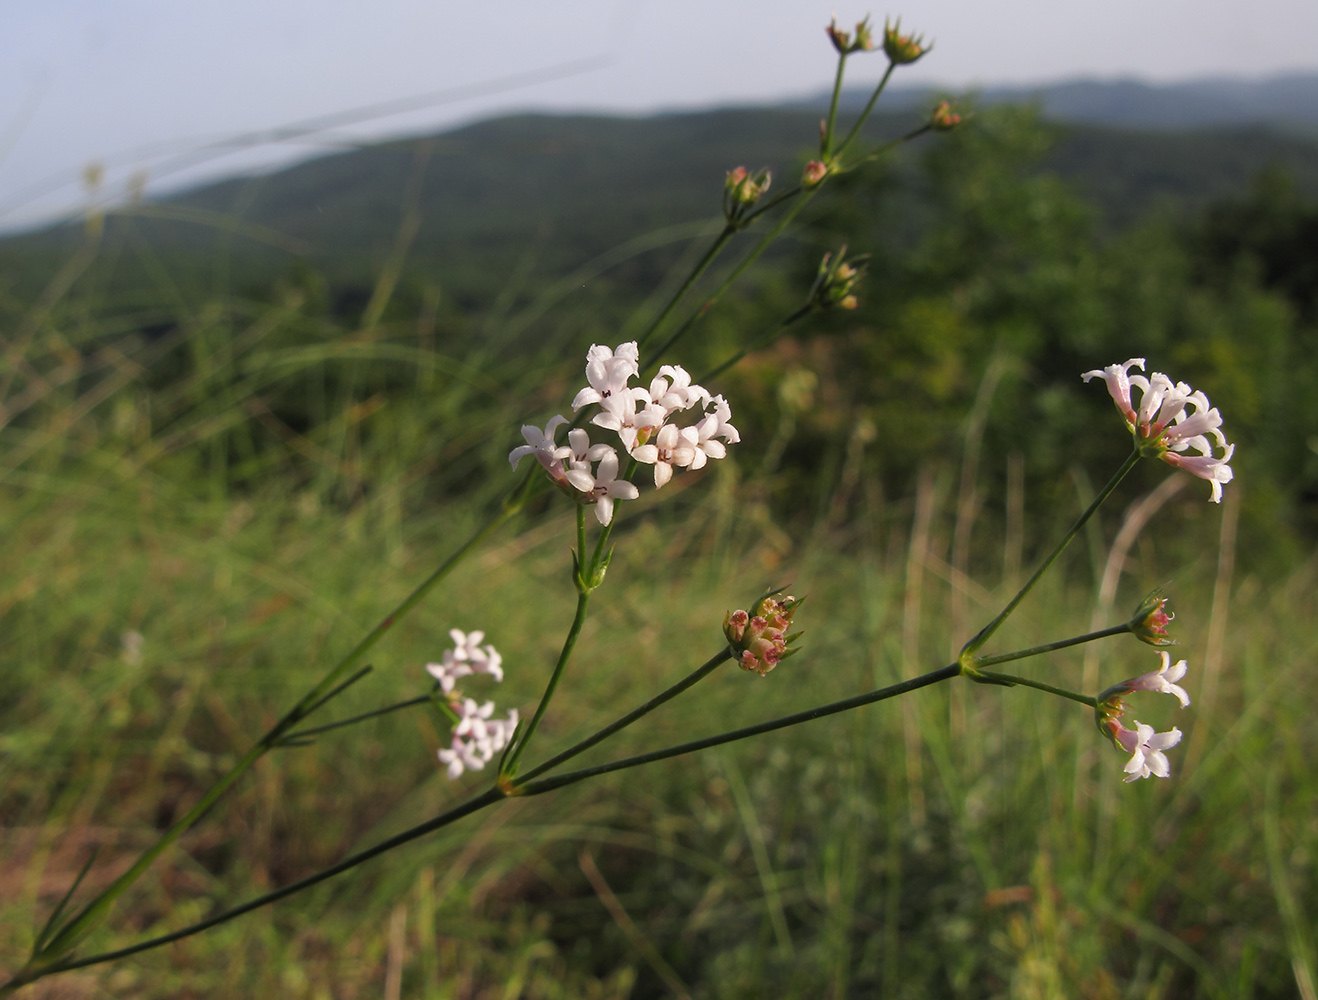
pixel 671 390
pixel 583 453
pixel 1163 679
pixel 448 671
pixel 541 444
pixel 1146 749
pixel 671 446
pixel 460 756
pixel 603 486
pixel 608 372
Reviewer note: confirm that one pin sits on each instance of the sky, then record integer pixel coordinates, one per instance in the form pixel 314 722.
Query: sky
pixel 163 94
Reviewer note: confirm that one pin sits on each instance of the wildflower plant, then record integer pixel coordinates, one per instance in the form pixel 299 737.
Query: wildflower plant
pixel 642 416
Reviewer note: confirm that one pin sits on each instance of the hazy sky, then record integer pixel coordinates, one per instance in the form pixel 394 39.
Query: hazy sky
pixel 147 87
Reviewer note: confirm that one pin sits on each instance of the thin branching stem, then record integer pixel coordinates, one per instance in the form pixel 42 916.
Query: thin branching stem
pixel 1009 680
pixel 396 707
pixel 833 708
pixel 702 265
pixel 1020 654
pixel 443 819
pixel 701 672
pixel 983 635
pixel 574 632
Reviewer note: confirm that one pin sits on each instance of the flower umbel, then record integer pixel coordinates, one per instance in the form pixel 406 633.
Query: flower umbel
pixel 476 736
pixel 1172 419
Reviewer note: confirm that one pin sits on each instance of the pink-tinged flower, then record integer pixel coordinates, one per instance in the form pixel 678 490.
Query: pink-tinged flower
pixel 1146 750
pixel 1215 470
pixel 1118 385
pixel 1172 419
pixel 1162 680
pixel 814 173
pixel 541 444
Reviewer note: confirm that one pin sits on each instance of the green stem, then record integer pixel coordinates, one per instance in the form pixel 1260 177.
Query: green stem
pixel 397 707
pixel 869 106
pixel 572 777
pixel 1008 680
pixel 760 344
pixel 704 670
pixel 765 242
pixel 99 907
pixel 719 242
pixel 983 635
pixel 1020 654
pixel 33 972
pixel 826 142
pixel 30 974
pixel 578 620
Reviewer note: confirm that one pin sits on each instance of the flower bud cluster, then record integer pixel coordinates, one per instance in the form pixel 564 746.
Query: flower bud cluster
pixel 1172 418
pixel 902 50
pixel 843 42
pixel 835 280
pixel 476 736
pixel 741 190
pixel 643 420
pixel 759 637
pixel 1143 744
pixel 945 117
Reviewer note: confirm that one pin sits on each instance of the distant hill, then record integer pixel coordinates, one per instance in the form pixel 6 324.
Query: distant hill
pixel 550 192
pixel 1286 103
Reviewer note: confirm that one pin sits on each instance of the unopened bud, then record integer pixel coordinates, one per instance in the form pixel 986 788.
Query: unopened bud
pixel 741 190
pixel 836 280
pixel 902 50
pixel 1149 622
pixel 842 40
pixel 814 173
pixel 759 638
pixel 945 117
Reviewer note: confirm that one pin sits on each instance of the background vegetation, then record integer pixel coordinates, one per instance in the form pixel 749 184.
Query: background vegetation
pixel 242 424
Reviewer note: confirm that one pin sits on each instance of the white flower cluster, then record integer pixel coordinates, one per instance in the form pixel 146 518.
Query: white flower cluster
pixel 641 419
pixel 1144 745
pixel 477 737
pixel 1164 423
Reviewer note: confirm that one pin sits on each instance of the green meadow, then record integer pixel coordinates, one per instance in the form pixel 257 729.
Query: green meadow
pixel 225 456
